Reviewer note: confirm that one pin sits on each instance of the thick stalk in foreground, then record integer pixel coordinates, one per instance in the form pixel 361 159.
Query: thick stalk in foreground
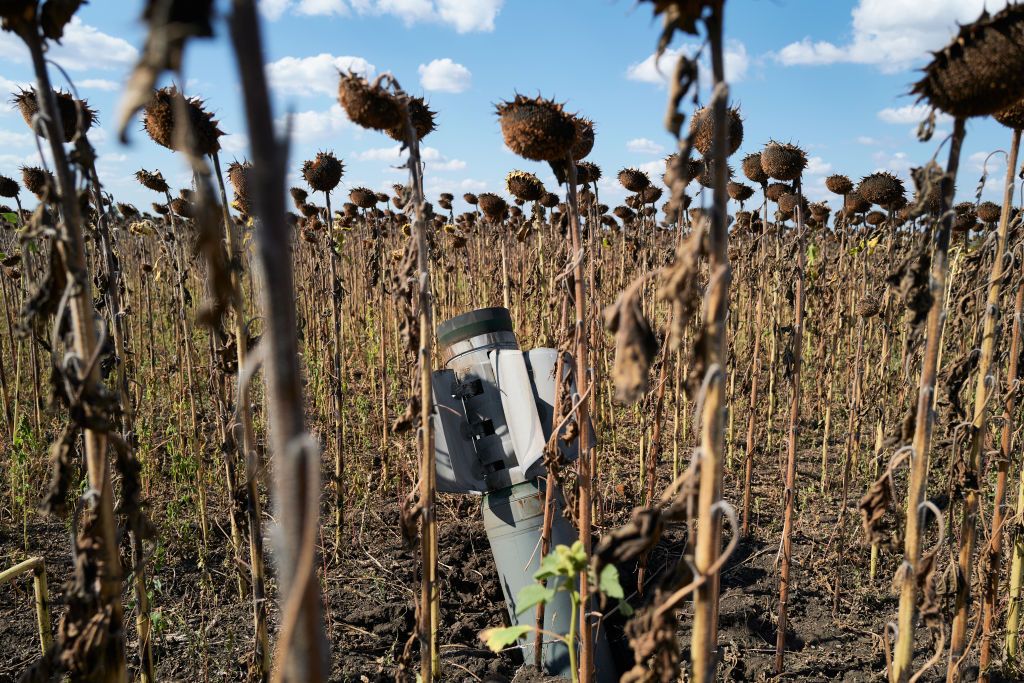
pixel 998 514
pixel 794 432
pixel 984 390
pixel 703 640
pixel 302 647
pixel 903 656
pixel 430 663
pixel 83 327
pixel 582 419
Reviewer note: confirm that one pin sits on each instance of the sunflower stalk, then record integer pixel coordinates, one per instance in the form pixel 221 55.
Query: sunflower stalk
pixel 703 657
pixel 71 245
pixel 902 661
pixel 302 651
pixel 984 391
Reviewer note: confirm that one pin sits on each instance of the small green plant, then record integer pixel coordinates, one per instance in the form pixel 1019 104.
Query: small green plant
pixel 561 568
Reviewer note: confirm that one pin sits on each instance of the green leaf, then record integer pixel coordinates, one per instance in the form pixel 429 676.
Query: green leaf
pixel 609 582
pixel 498 638
pixel 529 596
pixel 11 218
pixel 626 609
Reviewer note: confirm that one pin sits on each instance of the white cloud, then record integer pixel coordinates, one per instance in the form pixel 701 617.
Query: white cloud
pixel 9 139
pixel 322 7
pixel 898 162
pixel 82 47
pixel 910 114
pixel 659 70
pixel 98 84
pixel 273 9
pixel 866 140
pixel 395 155
pixel 465 16
pixel 469 15
pixel 315 126
pixel 818 166
pixel 890 34
pixel 236 143
pixel 444 75
pixel 995 166
pixel 314 75
pixel 644 146
pixel 654 169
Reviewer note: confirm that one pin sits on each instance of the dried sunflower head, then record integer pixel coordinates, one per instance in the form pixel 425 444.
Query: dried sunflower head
pixel 633 179
pixel 839 184
pixel 702 128
pixel 981 71
pixel 152 181
pixel 537 129
pixel 422 121
pixel 752 169
pixel 363 197
pixel 159 120
pixel 8 187
pixel 525 186
pixel 493 206
pixel 69 109
pixel 368 104
pixel 39 182
pixel 881 188
pixel 323 173
pixel 783 161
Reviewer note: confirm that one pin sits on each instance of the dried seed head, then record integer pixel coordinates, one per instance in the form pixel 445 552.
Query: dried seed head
pixel 839 184
pixel 928 184
pixel 820 211
pixel 323 173
pixel 67 107
pixel 493 206
pixel 367 104
pixel 159 122
pixel 707 175
pixel 160 209
pixel 182 207
pixel 989 212
pixel 422 121
pixel 874 218
pixel 525 186
pixel 584 139
pixel 854 203
pixel 39 182
pixel 789 202
pixel 152 181
pixel 881 188
pixel 299 196
pixel 8 187
pixel 624 213
pixel 966 217
pixel 752 169
pixel 549 200
pixel 682 172
pixel 651 194
pixel 981 71
pixel 470 199
pixel 537 129
pixel 238 177
pixel 869 306
pixel 1012 116
pixel 363 197
pixel 783 161
pixel 702 128
pixel 775 191
pixel 633 179
pixel 587 172
pixel 739 191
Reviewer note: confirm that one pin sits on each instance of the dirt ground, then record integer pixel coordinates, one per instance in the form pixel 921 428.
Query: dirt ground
pixel 202 630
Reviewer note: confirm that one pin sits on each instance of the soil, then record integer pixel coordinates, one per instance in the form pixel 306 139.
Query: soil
pixel 203 629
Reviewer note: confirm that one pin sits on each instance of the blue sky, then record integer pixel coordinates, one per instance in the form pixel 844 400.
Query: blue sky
pixel 830 75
